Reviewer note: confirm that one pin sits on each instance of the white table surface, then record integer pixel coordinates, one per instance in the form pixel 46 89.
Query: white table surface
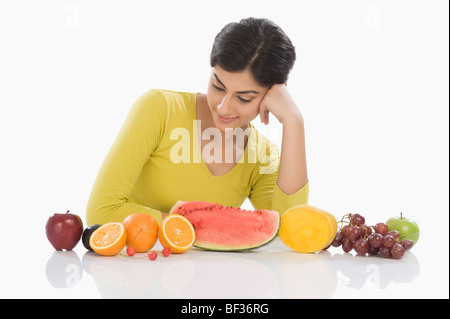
pixel 272 271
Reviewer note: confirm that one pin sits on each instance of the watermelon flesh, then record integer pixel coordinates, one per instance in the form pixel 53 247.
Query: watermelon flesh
pixel 225 228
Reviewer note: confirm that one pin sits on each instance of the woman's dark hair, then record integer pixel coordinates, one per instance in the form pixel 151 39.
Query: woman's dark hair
pixel 257 44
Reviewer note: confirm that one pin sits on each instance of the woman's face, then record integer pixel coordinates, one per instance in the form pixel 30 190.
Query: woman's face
pixel 233 98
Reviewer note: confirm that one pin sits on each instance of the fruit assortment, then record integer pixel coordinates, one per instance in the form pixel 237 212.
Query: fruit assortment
pixel 139 232
pixel 304 228
pixel 378 240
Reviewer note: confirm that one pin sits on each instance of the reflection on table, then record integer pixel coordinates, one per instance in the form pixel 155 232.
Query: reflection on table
pixel 272 271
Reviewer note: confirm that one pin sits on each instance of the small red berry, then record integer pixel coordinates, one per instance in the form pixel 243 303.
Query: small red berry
pixel 166 251
pixel 131 251
pixel 152 255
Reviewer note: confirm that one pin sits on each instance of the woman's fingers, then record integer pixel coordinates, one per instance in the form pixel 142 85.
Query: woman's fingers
pixel 264 114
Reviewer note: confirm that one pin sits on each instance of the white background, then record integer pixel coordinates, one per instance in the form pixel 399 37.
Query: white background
pixel 371 80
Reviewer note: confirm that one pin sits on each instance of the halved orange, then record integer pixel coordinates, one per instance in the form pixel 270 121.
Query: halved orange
pixel 109 239
pixel 177 233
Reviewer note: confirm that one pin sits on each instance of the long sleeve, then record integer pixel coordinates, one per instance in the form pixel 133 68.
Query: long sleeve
pixel 265 193
pixel 137 139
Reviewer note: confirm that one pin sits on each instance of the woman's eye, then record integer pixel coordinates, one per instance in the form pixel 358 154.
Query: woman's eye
pixel 217 88
pixel 244 100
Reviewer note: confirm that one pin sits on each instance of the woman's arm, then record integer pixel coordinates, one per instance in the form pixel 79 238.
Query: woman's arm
pixel 139 136
pixel 292 174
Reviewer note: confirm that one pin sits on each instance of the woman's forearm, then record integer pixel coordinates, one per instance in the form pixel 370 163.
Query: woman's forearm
pixel 292 174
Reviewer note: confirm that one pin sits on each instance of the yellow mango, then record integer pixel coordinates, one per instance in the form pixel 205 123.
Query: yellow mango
pixel 307 229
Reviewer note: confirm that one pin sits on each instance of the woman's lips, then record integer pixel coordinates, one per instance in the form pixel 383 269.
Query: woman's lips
pixel 226 119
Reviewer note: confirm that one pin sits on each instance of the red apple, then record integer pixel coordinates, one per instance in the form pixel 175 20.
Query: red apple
pixel 64 230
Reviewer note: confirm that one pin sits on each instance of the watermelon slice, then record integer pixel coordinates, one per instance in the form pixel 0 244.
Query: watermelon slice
pixel 225 228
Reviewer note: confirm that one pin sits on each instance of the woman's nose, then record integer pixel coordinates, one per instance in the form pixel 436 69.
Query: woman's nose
pixel 225 106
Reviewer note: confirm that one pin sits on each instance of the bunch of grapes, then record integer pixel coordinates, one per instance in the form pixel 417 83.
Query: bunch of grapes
pixel 373 240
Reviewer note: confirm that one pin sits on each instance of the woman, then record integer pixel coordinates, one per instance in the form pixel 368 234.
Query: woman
pixel 188 146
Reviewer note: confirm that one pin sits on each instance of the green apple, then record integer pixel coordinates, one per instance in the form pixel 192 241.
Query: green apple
pixel 407 228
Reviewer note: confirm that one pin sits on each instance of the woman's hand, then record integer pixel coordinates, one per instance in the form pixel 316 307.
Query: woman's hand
pixel 279 102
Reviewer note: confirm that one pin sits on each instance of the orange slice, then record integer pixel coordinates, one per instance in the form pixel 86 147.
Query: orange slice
pixel 109 239
pixel 177 233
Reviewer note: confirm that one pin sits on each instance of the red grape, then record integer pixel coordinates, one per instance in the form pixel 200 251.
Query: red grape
pixel 354 233
pixel 347 245
pixel 397 251
pixel 375 240
pixel 362 246
pixel 381 228
pixel 366 230
pixel 345 231
pixel 394 234
pixel 357 220
pixel 337 240
pixel 407 244
pixel 384 252
pixel 388 241
pixel 373 251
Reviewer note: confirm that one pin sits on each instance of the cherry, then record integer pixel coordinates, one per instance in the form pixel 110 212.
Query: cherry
pixel 152 255
pixel 131 251
pixel 166 251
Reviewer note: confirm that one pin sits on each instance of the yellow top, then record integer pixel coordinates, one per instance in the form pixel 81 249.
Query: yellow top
pixel 156 160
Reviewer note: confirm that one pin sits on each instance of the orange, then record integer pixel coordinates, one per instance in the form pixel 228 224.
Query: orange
pixel 177 233
pixel 142 231
pixel 109 239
